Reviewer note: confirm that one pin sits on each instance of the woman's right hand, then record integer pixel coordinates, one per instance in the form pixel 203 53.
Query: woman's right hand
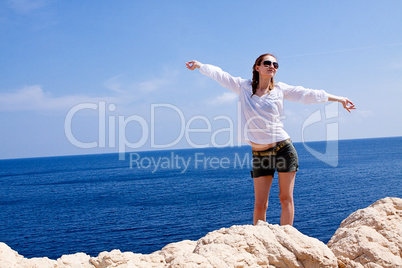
pixel 191 65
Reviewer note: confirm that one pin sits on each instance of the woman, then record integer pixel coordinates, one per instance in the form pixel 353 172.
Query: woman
pixel 261 104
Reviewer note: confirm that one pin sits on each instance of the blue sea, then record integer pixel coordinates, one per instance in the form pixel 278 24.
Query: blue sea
pixel 92 203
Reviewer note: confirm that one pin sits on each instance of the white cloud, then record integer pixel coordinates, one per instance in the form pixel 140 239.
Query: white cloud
pixel 119 83
pixel 152 85
pixel 115 84
pixel 27 6
pixel 157 83
pixel 364 113
pixel 346 50
pixel 33 98
pixel 125 93
pixel 225 98
pixel 395 65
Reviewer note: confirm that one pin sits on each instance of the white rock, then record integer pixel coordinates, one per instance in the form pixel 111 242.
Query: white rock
pixel 8 257
pixel 371 237
pixel 37 263
pixel 116 258
pixel 11 259
pixel 263 245
pixel 75 260
pixel 174 250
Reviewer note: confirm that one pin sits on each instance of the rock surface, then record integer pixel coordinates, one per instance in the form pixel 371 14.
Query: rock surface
pixel 371 237
pixel 263 245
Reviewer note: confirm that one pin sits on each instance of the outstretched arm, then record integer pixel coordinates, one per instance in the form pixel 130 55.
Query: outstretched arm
pixel 191 65
pixel 311 96
pixel 216 73
pixel 347 104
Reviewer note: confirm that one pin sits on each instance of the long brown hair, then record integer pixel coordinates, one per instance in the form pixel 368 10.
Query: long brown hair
pixel 256 75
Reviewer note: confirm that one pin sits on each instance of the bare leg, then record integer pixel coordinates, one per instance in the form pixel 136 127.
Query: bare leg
pixel 262 185
pixel 286 185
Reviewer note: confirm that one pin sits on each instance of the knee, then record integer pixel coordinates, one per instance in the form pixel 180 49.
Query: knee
pixel 261 206
pixel 286 199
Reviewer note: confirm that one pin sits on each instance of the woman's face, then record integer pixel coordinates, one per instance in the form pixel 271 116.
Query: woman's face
pixel 267 66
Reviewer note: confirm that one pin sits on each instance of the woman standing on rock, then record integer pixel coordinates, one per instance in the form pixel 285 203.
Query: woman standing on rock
pixel 261 104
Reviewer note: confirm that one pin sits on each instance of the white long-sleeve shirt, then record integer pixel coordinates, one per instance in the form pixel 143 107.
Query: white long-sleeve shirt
pixel 261 117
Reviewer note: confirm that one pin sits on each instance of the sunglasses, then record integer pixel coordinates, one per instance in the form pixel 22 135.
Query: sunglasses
pixel 268 63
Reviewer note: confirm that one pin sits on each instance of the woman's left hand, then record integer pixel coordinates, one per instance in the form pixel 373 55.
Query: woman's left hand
pixel 347 104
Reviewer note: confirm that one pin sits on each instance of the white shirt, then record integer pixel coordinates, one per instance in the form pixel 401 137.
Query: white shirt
pixel 261 117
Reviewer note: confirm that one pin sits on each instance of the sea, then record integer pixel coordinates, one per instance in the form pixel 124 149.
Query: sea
pixel 53 206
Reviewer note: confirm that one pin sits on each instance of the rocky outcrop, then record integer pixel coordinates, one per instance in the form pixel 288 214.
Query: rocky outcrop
pixel 11 259
pixel 371 237
pixel 263 245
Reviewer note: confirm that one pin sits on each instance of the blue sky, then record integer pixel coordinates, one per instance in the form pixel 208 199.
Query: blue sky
pixel 127 57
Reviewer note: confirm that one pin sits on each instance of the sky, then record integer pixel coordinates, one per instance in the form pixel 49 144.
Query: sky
pixel 90 77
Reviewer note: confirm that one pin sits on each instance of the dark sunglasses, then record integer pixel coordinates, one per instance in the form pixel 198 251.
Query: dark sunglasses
pixel 268 63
